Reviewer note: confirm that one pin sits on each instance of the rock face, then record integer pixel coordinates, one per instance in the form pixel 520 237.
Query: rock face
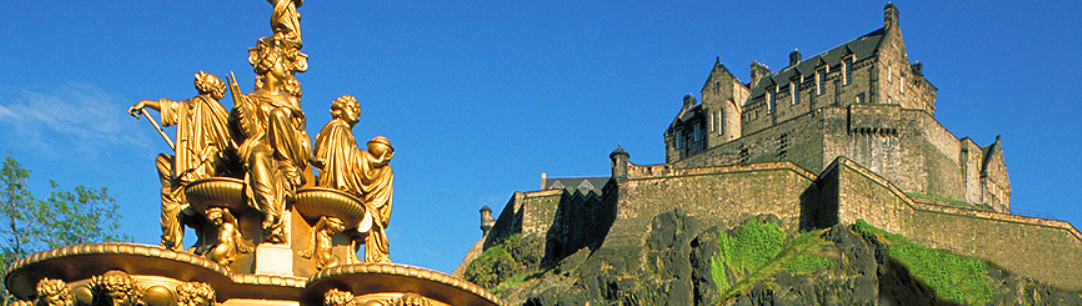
pixel 677 264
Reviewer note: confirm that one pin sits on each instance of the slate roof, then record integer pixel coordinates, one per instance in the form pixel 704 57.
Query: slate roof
pixel 582 185
pixel 863 47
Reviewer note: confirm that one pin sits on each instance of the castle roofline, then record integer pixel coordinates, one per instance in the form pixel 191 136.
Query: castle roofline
pixel 861 47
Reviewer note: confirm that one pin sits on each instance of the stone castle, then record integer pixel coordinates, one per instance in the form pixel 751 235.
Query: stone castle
pixel 847 134
pixel 862 100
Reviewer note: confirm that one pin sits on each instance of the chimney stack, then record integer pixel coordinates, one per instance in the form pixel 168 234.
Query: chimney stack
pixel 890 16
pixel 758 70
pixel 794 57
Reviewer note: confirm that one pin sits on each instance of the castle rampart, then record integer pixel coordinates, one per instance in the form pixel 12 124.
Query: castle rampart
pixel 1048 250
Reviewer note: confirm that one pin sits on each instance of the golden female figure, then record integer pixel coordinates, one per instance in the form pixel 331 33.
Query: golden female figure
pixel 276 146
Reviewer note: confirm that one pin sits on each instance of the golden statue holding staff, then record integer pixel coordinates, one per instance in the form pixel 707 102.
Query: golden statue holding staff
pixel 364 174
pixel 202 143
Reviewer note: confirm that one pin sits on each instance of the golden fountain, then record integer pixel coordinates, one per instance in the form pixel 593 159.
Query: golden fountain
pixel 269 231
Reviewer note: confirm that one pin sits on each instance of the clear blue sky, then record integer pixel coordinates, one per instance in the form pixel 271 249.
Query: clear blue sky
pixel 481 97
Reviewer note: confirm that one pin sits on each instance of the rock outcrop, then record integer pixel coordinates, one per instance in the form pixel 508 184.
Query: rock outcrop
pixel 680 262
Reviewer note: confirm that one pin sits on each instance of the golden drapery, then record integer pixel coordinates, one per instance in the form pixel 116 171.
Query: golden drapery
pixel 202 136
pixel 345 167
pixel 275 155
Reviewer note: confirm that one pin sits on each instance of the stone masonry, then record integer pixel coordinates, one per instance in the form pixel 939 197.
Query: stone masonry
pixel 862 99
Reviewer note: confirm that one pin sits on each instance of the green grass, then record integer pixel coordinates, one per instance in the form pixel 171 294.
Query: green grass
pixel 760 250
pixel 954 278
pixel 949 201
pixel 495 261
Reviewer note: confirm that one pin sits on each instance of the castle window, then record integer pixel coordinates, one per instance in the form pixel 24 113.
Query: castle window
pixel 717 87
pixel 890 72
pixel 848 77
pixel 698 133
pixel 773 100
pixel 820 81
pixel 796 91
pixel 860 98
pixel 901 84
pixel 721 126
pixel 710 121
pixel 679 139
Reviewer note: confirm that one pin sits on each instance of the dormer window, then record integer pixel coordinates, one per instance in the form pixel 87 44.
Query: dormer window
pixel 698 133
pixel 820 80
pixel 848 76
pixel 679 139
pixel 773 105
pixel 795 87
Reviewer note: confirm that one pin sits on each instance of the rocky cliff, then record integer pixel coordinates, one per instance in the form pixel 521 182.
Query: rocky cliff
pixel 683 262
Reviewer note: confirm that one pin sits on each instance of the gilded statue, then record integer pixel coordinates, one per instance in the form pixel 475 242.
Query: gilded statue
pixel 202 142
pixel 54 292
pixel 320 250
pixel 365 174
pixel 286 21
pixel 195 294
pixel 230 243
pixel 115 288
pixel 276 147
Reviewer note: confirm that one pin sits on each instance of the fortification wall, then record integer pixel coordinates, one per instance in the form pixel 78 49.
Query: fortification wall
pixel 526 213
pixel 907 146
pixel 1047 250
pixel 799 140
pixel 715 195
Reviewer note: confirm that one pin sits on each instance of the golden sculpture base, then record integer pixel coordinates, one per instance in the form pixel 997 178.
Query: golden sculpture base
pixel 160 277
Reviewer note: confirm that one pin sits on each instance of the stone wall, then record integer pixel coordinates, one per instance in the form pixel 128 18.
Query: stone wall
pixel 526 213
pixel 907 146
pixel 714 195
pixel 1047 250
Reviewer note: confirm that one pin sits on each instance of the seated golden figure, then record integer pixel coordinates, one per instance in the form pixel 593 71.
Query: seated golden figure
pixel 276 146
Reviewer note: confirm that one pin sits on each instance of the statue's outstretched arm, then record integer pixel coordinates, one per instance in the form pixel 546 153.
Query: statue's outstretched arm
pixel 136 110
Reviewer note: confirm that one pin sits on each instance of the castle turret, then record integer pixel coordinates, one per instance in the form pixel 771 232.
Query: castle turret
pixel 487 221
pixel 620 162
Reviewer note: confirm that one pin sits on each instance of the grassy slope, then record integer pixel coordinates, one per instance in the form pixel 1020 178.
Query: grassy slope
pixel 954 278
pixel 757 251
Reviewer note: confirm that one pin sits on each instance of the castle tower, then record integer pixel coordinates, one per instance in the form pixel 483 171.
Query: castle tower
pixel 487 221
pixel 620 162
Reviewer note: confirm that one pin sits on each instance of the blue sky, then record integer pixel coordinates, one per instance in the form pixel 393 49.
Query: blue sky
pixel 481 97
